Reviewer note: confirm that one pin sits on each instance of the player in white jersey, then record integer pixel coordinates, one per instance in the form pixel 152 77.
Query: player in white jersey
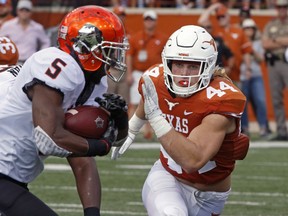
pixel 92 45
pixel 85 169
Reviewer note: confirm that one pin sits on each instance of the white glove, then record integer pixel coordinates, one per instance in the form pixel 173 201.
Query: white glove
pixel 118 151
pixel 151 108
pixel 135 124
pixel 151 105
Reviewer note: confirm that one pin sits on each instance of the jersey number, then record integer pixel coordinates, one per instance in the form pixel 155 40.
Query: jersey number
pixel 154 72
pixel 56 68
pixel 211 92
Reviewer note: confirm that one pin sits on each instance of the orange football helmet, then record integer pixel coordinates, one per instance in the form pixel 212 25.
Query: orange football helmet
pixel 8 52
pixel 94 35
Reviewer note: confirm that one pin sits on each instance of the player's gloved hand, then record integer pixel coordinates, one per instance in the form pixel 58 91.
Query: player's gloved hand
pixel 111 133
pixel 151 105
pixel 135 124
pixel 151 108
pixel 118 151
pixel 103 145
pixel 117 106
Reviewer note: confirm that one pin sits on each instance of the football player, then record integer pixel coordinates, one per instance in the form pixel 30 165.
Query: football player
pixel 194 110
pixel 84 168
pixel 8 69
pixel 92 45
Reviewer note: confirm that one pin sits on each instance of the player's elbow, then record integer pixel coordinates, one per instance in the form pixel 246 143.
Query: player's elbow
pixel 193 164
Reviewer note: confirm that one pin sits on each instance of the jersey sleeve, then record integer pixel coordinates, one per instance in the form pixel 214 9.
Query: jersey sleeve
pixel 224 98
pixel 56 69
pixel 154 72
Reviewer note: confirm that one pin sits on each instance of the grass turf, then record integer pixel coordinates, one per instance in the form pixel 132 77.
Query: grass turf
pixel 259 186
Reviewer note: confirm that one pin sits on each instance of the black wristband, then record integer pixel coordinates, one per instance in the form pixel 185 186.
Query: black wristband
pixel 92 211
pixel 98 147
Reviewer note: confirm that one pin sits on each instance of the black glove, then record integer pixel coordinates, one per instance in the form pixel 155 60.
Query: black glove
pixel 111 133
pixel 102 146
pixel 117 106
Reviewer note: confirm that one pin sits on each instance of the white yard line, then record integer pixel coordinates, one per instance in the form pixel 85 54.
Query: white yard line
pixel 254 144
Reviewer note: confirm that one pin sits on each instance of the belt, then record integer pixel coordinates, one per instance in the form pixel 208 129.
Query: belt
pixel 24 185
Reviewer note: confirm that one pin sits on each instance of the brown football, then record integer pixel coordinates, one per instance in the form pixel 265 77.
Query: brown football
pixel 87 121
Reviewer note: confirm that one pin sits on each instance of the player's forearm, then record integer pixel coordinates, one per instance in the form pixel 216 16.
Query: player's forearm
pixel 140 110
pixel 182 150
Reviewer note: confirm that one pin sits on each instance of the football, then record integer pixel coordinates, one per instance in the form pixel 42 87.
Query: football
pixel 87 121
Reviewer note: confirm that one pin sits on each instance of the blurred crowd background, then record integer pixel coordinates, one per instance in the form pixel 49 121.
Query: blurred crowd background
pixel 254 4
pixel 257 4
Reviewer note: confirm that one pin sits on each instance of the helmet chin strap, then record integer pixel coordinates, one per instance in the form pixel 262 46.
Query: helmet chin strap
pixel 96 76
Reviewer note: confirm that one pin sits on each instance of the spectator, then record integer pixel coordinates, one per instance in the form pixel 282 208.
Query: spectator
pixel 120 12
pixel 123 86
pixel 269 4
pixel 137 3
pixel 233 36
pixel 145 50
pixel 256 4
pixel 225 57
pixel 252 84
pixel 275 41
pixel 28 35
pixel 244 13
pixel 184 4
pixel 5 11
pixel 52 34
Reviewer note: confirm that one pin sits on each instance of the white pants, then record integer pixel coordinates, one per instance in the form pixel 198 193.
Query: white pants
pixel 134 94
pixel 164 195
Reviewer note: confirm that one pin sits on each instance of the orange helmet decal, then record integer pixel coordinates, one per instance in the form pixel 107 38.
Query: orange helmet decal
pixel 212 43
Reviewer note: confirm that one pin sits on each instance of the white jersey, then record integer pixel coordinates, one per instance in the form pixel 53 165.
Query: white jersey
pixel 19 156
pixel 7 77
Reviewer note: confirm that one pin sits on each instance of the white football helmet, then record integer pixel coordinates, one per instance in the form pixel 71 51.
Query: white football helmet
pixel 190 43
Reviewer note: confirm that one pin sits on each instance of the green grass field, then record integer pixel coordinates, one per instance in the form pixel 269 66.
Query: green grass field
pixel 259 186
